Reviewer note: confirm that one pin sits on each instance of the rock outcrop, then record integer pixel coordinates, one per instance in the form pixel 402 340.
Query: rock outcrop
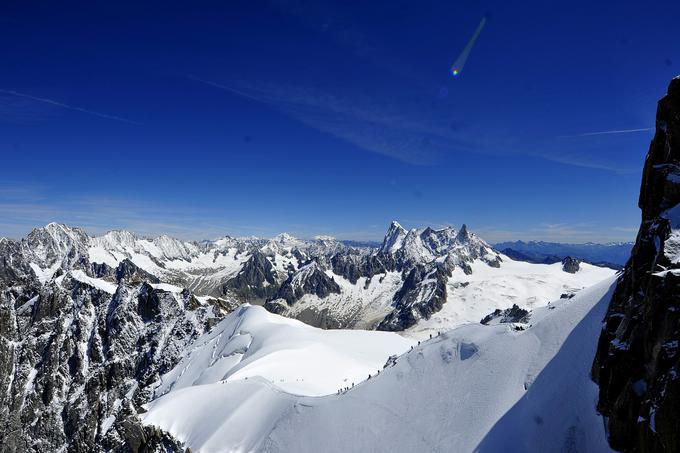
pixel 77 363
pixel 571 265
pixel 129 272
pixel 422 294
pixel 509 315
pixel 256 281
pixel 637 364
pixel 310 279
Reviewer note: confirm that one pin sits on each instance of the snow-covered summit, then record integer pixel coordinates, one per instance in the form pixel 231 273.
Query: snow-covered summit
pixel 420 246
pixel 393 238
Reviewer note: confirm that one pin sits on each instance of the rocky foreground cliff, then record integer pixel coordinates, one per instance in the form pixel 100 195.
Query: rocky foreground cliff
pixel 637 364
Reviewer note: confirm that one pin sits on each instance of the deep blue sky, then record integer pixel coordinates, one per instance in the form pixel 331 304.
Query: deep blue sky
pixel 200 119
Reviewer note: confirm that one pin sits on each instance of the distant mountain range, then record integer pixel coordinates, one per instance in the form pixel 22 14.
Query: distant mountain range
pixel 613 254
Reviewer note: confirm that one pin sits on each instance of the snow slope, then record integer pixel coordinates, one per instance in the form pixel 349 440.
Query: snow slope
pixel 251 367
pixel 471 297
pixel 465 390
pixel 295 357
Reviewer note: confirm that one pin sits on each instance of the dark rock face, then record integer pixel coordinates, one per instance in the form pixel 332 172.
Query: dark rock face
pixel 311 279
pixel 570 265
pixel 422 294
pixel 513 314
pixel 128 272
pixel 348 264
pixel 354 264
pixel 255 281
pixel 637 364
pixel 12 266
pixel 148 303
pixel 77 363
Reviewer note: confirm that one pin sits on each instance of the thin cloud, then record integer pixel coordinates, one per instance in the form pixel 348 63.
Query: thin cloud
pixel 407 127
pixel 69 107
pixel 374 123
pixel 226 88
pixel 615 131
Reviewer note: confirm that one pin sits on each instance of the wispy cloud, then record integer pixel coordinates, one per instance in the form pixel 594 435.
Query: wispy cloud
pixel 610 132
pixel 409 127
pixel 585 159
pixel 67 106
pixel 374 122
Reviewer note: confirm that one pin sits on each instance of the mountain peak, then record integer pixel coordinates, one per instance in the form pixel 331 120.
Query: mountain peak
pixel 393 238
pixel 463 235
pixel 394 225
pixel 59 228
pixel 284 237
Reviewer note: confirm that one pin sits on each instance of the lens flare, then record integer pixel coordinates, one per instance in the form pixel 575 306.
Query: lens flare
pixel 457 65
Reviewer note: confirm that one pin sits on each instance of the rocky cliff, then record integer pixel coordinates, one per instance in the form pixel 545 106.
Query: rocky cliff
pixel 637 365
pixel 82 350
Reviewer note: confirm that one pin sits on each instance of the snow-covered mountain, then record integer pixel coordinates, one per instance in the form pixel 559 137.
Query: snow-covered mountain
pixel 323 282
pixel 94 328
pixel 258 382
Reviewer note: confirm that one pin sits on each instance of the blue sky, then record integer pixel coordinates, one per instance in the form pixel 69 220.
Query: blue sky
pixel 213 118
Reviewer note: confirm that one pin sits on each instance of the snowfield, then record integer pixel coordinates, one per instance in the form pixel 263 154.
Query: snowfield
pixel 471 297
pixel 257 364
pixel 295 357
pixel 254 384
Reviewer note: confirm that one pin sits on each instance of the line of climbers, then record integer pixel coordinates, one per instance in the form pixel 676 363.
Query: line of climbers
pixel 392 360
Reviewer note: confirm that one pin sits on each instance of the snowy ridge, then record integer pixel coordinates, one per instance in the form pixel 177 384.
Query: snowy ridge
pixel 293 356
pixel 527 390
